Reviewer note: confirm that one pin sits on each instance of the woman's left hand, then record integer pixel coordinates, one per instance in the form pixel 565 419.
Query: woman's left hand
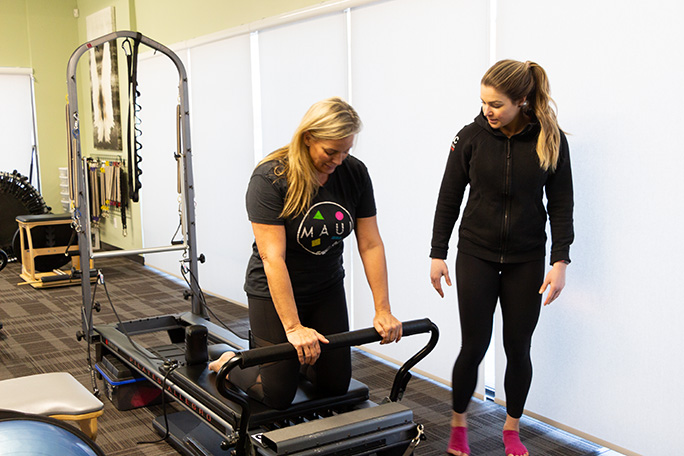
pixel 555 281
pixel 387 326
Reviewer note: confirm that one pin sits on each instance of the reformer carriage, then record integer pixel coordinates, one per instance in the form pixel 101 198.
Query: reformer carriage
pixel 219 418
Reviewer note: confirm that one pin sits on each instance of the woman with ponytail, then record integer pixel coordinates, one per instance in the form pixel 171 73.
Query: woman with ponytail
pixel 512 156
pixel 303 200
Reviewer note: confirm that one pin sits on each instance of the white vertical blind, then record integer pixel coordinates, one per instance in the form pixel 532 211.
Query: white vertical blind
pixel 223 143
pixel 416 83
pixel 610 348
pixel 158 85
pixel 16 124
pixel 301 63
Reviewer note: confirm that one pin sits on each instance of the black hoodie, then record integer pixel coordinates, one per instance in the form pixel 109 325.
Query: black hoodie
pixel 504 219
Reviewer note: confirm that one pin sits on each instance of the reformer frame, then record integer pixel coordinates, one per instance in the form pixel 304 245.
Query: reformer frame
pixel 78 187
pixel 347 424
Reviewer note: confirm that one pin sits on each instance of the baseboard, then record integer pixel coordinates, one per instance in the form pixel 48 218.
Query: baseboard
pixel 574 431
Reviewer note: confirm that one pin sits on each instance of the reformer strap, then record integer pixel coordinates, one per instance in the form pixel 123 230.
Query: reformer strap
pixel 134 158
pixel 124 198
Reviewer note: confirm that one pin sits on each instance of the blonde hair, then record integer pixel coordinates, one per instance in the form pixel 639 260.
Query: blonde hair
pixel 528 80
pixel 332 118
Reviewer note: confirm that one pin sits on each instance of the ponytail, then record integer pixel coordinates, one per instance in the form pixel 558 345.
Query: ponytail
pixel 548 144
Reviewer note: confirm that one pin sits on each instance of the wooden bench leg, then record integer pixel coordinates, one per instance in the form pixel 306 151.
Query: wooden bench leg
pixel 89 427
pixel 87 422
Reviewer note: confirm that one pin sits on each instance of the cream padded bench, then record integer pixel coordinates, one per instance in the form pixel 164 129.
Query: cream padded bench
pixel 57 395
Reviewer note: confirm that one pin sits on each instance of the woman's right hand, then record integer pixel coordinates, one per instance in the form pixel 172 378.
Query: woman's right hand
pixel 307 342
pixel 439 269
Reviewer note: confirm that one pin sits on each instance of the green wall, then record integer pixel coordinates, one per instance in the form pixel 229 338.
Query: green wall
pixel 44 33
pixel 172 21
pixel 14 29
pixel 110 228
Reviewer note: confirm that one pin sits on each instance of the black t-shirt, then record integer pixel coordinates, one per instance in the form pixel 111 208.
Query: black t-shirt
pixel 314 239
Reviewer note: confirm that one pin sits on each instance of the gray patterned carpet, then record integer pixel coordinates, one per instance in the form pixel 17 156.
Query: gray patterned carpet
pixel 39 336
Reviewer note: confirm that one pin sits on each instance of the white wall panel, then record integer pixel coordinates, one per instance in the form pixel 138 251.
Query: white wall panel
pixel 300 63
pixel 416 68
pixel 223 158
pixel 222 136
pixel 608 351
pixel 158 85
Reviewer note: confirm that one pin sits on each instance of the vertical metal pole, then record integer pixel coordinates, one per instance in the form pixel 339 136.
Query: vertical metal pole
pixel 189 191
pixel 81 213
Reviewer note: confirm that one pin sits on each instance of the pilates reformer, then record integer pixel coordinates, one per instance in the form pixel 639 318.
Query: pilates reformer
pixel 218 418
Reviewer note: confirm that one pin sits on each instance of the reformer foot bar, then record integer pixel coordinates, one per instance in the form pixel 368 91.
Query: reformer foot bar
pixel 218 418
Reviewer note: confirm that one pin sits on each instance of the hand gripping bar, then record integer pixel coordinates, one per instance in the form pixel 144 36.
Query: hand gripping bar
pixel 286 350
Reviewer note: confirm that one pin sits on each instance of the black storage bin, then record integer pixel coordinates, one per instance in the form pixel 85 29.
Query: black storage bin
pixel 125 388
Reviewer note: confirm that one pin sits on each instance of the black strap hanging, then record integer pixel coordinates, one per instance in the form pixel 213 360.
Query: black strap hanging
pixel 134 146
pixel 124 198
pixel 34 159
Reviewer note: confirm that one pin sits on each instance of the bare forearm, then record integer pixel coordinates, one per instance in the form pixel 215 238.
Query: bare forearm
pixel 375 266
pixel 280 287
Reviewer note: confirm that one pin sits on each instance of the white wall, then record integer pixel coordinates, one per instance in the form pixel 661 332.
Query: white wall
pixel 607 351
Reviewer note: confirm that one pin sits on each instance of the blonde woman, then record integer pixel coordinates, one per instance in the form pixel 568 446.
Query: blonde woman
pixel 303 200
pixel 511 156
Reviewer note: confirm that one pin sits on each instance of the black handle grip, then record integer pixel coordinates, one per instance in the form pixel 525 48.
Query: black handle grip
pixel 285 350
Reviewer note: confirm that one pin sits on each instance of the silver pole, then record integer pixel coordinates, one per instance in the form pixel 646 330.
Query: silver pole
pixel 116 253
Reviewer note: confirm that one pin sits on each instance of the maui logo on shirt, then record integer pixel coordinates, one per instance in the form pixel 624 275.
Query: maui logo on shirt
pixel 324 226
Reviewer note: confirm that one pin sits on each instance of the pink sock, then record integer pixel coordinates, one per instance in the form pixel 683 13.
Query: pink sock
pixel 459 440
pixel 512 443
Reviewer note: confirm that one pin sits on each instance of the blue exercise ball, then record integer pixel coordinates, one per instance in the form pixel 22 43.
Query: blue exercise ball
pixel 30 435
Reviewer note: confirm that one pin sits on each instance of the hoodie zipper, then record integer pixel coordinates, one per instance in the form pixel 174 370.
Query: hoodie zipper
pixel 507 187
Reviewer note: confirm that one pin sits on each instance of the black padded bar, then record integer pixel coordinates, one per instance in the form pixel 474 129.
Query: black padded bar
pixel 43 217
pixel 285 350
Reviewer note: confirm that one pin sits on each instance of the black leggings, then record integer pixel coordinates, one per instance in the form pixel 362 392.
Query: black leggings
pixel 275 384
pixel 480 285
